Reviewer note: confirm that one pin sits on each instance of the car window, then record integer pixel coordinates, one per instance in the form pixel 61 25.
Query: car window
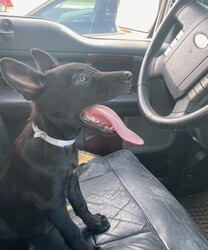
pixel 119 19
pixel 136 19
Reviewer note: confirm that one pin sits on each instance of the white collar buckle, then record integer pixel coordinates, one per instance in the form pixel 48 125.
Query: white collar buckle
pixel 59 143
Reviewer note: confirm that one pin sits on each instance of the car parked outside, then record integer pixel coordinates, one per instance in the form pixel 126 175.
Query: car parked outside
pixel 6 5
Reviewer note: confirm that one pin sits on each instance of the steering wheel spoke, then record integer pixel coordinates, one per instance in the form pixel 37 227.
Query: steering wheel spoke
pixel 193 11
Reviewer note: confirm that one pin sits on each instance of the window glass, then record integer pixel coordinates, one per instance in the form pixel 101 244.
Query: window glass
pixel 138 15
pixel 119 19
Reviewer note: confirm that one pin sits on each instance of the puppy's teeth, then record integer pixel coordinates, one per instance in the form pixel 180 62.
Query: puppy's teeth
pixel 107 127
pixel 86 117
pixel 97 123
pixel 94 119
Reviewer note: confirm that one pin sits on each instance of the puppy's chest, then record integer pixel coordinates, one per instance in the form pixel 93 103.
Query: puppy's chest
pixel 64 165
pixel 47 181
pixel 44 174
pixel 59 162
pixel 60 173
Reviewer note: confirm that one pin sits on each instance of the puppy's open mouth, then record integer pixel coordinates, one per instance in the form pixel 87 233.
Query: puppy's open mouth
pixel 108 122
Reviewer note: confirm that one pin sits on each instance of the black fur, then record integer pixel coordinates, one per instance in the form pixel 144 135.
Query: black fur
pixel 36 177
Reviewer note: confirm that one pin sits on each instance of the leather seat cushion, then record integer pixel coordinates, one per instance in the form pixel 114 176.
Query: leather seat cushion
pixel 142 213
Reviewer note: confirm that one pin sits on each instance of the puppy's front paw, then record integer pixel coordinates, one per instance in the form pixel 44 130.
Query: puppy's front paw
pixel 99 224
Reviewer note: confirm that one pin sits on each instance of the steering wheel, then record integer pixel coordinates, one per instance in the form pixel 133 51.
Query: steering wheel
pixel 183 66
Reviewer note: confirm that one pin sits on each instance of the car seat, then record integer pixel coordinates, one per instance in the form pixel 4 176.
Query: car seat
pixel 142 213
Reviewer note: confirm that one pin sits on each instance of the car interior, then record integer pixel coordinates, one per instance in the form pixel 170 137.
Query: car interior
pixel 155 195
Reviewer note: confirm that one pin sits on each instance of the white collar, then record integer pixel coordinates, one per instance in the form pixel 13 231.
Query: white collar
pixel 50 140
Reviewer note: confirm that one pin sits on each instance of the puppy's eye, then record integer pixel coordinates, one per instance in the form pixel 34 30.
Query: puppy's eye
pixel 82 79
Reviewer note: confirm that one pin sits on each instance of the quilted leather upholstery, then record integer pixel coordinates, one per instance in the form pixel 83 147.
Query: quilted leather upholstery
pixel 142 213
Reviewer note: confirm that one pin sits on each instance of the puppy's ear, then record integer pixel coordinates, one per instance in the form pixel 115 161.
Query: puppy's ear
pixel 43 60
pixel 22 78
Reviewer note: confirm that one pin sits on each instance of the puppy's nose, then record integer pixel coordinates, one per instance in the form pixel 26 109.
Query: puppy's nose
pixel 127 76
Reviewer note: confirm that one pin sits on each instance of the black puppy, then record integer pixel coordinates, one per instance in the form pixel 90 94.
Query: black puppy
pixel 39 173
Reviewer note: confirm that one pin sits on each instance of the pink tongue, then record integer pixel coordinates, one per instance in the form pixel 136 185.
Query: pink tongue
pixel 109 117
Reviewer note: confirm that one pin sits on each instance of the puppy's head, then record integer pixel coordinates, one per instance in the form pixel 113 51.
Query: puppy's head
pixel 63 93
